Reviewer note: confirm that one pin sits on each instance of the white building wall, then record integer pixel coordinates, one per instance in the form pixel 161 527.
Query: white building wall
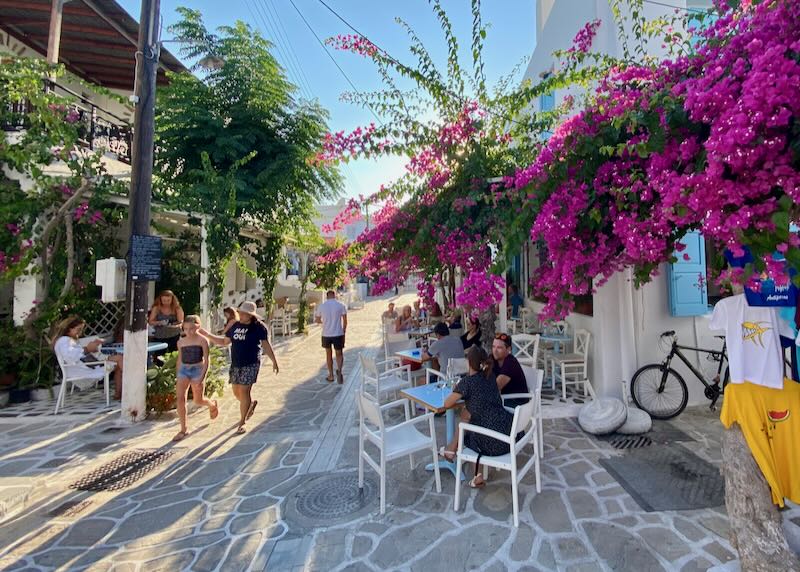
pixel 627 322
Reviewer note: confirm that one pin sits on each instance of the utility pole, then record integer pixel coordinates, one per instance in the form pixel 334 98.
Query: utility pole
pixel 134 384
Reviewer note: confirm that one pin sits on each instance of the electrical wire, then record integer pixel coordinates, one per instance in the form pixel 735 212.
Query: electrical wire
pixel 325 48
pixel 288 42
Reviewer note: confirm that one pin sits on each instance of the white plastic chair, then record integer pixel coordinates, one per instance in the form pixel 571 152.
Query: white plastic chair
pixel 392 442
pixel 533 380
pixel 75 373
pixel 393 378
pixel 529 321
pixel 395 342
pixel 573 368
pixel 523 421
pixel 526 348
pixel 457 366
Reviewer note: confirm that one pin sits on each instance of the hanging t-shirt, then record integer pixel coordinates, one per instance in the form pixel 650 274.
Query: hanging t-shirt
pixel 246 342
pixel 753 337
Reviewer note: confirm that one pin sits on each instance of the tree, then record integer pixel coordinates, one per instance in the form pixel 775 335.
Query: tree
pixel 236 146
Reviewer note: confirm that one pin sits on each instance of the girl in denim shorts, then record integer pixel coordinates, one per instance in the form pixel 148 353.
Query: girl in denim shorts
pixel 192 365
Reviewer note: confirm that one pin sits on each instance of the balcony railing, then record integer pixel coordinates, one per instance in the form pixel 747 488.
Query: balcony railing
pixel 98 129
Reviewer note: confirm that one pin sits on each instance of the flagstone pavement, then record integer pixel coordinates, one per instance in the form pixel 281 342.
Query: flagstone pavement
pixel 283 497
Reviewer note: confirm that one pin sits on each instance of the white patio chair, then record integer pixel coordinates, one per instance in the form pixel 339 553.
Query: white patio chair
pixel 75 374
pixel 523 422
pixel 458 332
pixel 392 442
pixel 525 348
pixel 393 378
pixel 572 368
pixel 395 342
pixel 457 366
pixel 533 379
pixel 529 320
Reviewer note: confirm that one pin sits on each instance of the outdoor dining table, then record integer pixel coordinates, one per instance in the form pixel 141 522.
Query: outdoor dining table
pixel 420 332
pixel 410 355
pixel 431 396
pixel 557 340
pixel 111 349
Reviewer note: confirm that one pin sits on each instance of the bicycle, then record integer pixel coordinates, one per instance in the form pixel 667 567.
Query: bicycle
pixel 661 391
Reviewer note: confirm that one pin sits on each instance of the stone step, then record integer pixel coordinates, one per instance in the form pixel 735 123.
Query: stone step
pixel 15 493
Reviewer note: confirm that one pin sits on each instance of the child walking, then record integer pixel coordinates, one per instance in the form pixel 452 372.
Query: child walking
pixel 192 366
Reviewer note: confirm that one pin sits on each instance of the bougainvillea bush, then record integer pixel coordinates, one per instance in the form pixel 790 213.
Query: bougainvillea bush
pixel 708 141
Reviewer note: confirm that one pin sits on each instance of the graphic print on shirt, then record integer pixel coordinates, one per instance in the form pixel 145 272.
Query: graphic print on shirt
pixel 239 334
pixel 778 416
pixel 754 332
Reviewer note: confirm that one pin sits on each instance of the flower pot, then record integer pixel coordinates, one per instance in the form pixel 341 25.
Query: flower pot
pixel 4 398
pixel 19 396
pixel 40 394
pixel 161 402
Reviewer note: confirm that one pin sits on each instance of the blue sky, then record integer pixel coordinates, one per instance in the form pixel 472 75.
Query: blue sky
pixel 510 38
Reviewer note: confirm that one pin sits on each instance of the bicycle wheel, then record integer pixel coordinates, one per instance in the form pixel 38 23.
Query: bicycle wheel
pixel 660 402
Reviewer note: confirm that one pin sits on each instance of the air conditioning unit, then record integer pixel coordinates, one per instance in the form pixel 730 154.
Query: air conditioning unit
pixel 111 274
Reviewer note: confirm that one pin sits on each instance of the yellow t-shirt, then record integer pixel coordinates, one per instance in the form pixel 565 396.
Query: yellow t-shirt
pixel 770 421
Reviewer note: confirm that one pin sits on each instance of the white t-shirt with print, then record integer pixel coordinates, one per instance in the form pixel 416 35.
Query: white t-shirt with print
pixel 752 334
pixel 331 312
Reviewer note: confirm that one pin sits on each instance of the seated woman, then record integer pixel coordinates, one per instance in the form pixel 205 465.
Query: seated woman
pixel 436 314
pixel 454 320
pixel 472 337
pixel 405 321
pixel 483 407
pixel 75 356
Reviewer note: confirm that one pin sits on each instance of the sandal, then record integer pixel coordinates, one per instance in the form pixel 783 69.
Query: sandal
pixel 214 411
pixel 447 455
pixel 475 484
pixel 241 430
pixel 180 436
pixel 251 410
pixel 339 377
pixel 329 379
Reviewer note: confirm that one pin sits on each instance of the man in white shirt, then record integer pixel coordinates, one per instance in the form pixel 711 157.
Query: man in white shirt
pixel 332 314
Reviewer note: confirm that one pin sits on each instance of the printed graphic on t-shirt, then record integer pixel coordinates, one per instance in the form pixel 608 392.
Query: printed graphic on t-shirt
pixel 754 332
pixel 239 334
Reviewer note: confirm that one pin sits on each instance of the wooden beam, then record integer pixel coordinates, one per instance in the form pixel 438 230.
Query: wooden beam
pixel 54 37
pixel 69 39
pixel 41 24
pixel 71 8
pixel 79 57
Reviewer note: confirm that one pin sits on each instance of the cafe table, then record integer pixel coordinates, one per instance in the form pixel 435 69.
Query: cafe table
pixel 420 332
pixel 111 349
pixel 410 355
pixel 431 396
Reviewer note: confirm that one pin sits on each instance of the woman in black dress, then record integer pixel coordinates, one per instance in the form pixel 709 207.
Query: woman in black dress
pixel 472 337
pixel 483 407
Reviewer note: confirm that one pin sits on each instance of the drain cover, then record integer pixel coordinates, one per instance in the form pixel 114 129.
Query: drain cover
pixel 122 471
pixel 324 500
pixel 335 497
pixel 630 441
pixel 70 509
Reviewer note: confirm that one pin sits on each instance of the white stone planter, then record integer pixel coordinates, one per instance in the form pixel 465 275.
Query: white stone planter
pixel 40 394
pixel 3 398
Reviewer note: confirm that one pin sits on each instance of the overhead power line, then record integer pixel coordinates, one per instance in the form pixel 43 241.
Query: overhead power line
pixel 325 49
pixel 288 42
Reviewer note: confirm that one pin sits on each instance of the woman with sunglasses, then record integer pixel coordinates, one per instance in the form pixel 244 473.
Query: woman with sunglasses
pixel 483 406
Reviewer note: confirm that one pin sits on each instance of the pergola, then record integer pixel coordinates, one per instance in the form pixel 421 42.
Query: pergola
pixel 95 39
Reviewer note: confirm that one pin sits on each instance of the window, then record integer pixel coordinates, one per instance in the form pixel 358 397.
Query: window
pixel 547 102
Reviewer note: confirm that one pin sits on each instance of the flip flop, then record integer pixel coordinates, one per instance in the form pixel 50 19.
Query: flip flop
pixel 476 485
pixel 241 430
pixel 214 411
pixel 329 379
pixel 449 456
pixel 251 410
pixel 180 436
pixel 339 377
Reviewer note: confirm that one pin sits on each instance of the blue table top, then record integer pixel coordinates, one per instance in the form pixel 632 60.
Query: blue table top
pixel 413 355
pixel 110 349
pixel 556 337
pixel 428 395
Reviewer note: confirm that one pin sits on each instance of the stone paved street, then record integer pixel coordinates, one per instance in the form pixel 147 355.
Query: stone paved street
pixel 272 499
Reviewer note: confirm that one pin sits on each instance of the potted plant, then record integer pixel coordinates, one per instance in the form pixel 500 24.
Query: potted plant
pixel 161 385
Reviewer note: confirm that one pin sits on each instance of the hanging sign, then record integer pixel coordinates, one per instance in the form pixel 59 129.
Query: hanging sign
pixel 145 258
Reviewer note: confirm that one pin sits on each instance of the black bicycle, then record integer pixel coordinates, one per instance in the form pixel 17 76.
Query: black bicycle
pixel 661 391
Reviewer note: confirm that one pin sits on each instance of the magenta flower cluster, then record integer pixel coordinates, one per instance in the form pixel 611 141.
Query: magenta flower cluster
pixel 480 291
pixel 585 36
pixel 350 214
pixel 341 145
pixel 353 43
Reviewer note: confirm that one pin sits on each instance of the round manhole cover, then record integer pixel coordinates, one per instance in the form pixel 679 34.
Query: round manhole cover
pixel 329 499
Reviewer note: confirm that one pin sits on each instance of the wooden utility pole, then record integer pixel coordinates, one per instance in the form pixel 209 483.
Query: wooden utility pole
pixel 134 385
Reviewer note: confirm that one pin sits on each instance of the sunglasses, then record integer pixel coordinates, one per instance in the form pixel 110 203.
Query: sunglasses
pixel 504 337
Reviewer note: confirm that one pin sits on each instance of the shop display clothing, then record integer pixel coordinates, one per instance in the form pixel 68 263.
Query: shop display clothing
pixel 752 335
pixel 770 421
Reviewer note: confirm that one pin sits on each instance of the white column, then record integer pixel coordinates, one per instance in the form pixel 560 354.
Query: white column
pixel 27 291
pixel 502 324
pixel 205 291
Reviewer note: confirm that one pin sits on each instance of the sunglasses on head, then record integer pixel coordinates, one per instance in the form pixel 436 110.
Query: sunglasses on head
pixel 503 337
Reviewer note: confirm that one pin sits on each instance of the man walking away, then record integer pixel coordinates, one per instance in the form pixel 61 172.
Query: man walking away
pixel 332 314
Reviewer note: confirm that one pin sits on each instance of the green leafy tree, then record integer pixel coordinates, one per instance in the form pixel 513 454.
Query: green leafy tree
pixel 236 146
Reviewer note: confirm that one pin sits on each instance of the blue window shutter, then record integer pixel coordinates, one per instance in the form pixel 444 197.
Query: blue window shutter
pixel 547 102
pixel 688 294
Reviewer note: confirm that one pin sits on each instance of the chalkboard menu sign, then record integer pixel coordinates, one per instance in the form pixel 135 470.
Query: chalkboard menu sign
pixel 145 258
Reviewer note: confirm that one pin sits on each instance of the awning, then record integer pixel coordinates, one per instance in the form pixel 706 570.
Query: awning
pixel 98 39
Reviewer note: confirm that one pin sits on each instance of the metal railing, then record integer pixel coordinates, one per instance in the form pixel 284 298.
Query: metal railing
pixel 98 129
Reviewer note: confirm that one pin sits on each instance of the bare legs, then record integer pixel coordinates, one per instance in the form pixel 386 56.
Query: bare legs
pixel 182 387
pixel 329 363
pixel 117 359
pixel 339 364
pixel 452 447
pixel 242 393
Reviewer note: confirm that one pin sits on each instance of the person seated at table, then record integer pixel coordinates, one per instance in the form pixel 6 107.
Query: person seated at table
pixel 405 321
pixel 483 406
pixel 472 337
pixel 443 349
pixel 454 319
pixel 515 301
pixel 507 370
pixel 390 314
pixel 69 351
pixel 436 313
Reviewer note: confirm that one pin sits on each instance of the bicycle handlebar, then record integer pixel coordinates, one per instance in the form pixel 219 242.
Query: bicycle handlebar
pixel 668 333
